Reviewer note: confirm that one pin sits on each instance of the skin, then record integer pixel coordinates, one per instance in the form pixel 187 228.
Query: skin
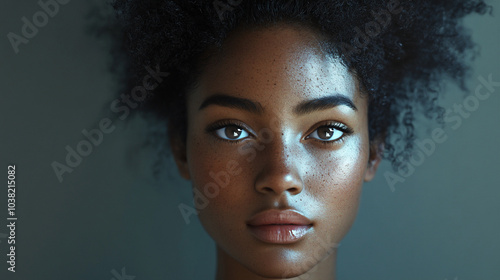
pixel 287 163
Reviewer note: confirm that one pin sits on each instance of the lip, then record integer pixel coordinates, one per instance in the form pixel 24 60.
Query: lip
pixel 279 226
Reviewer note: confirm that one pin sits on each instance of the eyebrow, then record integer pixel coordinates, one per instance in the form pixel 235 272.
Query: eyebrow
pixel 323 103
pixel 302 108
pixel 233 102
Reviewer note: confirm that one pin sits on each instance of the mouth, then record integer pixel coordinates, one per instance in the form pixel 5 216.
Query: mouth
pixel 279 226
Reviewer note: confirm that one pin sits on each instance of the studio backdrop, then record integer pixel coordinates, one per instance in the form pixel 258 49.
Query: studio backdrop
pixel 95 198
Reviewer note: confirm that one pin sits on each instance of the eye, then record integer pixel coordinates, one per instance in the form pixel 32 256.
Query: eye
pixel 231 132
pixel 329 133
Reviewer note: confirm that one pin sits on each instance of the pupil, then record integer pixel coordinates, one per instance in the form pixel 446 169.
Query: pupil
pixel 233 132
pixel 327 132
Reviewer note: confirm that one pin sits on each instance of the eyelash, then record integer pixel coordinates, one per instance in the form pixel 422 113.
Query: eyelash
pixel 336 125
pixel 214 127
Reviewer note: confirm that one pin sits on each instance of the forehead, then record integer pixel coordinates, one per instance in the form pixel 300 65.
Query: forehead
pixel 282 61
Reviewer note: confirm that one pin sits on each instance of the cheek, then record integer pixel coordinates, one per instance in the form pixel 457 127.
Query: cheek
pixel 215 174
pixel 341 181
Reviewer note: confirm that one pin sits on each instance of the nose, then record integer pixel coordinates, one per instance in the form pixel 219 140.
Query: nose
pixel 279 169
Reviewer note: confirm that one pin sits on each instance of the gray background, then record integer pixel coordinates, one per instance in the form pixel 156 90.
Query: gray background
pixel 442 222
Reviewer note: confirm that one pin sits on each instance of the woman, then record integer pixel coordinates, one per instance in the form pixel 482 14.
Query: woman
pixel 278 111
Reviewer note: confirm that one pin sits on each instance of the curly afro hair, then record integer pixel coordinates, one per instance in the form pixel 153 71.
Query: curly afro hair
pixel 400 51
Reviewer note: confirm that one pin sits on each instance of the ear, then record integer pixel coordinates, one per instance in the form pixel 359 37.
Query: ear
pixel 179 152
pixel 376 151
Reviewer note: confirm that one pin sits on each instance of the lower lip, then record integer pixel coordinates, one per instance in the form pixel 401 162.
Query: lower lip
pixel 280 234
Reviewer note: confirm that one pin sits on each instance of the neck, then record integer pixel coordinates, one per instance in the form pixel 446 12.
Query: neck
pixel 229 269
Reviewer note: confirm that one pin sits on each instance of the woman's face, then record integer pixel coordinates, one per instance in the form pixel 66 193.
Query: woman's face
pixel 277 151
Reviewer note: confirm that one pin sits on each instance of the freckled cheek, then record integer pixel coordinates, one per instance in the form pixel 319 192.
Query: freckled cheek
pixel 342 183
pixel 339 199
pixel 214 176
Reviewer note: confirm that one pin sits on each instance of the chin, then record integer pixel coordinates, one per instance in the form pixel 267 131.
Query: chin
pixel 283 268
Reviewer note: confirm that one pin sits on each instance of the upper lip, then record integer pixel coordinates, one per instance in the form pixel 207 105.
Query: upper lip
pixel 279 217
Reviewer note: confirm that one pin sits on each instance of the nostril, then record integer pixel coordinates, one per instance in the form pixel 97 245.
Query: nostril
pixel 268 189
pixel 293 190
